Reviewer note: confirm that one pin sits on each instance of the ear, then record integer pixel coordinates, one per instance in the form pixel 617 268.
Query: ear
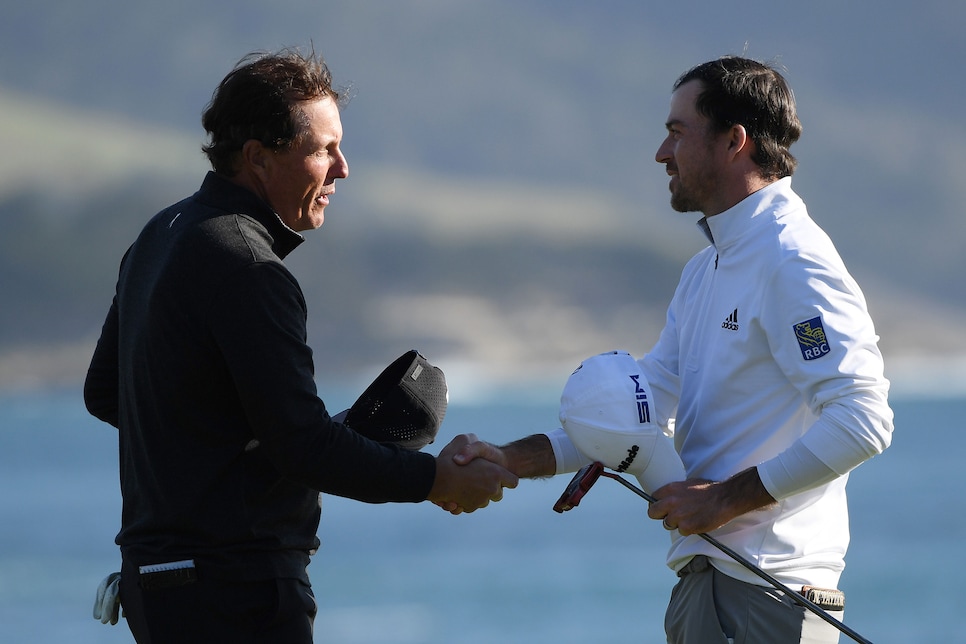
pixel 739 142
pixel 255 157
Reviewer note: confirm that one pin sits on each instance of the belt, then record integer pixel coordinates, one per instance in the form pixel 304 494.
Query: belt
pixel 698 563
pixel 825 598
pixel 168 575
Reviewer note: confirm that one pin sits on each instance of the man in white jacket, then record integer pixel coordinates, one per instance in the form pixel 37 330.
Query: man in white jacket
pixel 767 372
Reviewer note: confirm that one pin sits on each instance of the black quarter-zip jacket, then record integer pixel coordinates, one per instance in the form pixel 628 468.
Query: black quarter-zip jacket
pixel 203 366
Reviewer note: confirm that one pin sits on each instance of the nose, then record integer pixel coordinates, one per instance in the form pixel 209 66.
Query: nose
pixel 663 154
pixel 342 167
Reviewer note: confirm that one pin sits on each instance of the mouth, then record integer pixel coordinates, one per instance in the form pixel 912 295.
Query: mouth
pixel 673 173
pixel 323 199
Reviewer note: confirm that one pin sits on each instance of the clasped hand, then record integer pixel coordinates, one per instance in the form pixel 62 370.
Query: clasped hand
pixel 467 485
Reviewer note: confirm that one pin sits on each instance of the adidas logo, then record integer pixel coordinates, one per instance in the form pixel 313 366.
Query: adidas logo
pixel 731 323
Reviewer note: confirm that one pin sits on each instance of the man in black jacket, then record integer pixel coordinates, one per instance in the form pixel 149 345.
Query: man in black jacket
pixel 203 366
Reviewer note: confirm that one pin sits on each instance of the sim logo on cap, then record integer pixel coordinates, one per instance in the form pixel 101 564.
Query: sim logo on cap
pixel 643 409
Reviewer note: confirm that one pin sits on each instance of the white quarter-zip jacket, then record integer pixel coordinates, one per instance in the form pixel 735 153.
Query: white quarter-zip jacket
pixel 769 359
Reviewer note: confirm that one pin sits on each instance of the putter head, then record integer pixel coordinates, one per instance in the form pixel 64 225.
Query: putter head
pixel 583 480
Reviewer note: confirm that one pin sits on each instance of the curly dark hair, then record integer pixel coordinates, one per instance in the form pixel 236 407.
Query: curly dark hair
pixel 261 99
pixel 741 91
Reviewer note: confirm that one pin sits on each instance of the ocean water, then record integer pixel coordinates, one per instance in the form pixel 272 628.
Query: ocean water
pixel 513 572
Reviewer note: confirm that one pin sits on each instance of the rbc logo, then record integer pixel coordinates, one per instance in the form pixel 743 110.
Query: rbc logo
pixel 811 338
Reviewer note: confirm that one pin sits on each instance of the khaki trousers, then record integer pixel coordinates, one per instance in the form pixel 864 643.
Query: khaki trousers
pixel 709 607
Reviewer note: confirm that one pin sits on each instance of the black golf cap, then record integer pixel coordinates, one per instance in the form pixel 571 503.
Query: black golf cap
pixel 404 405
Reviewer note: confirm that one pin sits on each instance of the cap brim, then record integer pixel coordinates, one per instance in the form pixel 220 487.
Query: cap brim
pixel 404 405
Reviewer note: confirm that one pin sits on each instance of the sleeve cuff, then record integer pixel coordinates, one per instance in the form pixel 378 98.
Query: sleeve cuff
pixel 568 458
pixel 795 470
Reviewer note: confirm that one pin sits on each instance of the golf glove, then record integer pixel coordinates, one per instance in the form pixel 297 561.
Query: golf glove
pixel 108 601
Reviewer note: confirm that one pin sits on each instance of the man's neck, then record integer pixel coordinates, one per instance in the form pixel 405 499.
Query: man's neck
pixel 741 189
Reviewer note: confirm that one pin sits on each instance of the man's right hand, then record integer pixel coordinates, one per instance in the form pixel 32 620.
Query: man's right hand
pixel 465 488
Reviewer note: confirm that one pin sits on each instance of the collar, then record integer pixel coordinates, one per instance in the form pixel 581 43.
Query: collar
pixel 725 228
pixel 220 193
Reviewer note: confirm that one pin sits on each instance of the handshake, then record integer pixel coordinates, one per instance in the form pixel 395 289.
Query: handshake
pixel 470 473
pixel 606 414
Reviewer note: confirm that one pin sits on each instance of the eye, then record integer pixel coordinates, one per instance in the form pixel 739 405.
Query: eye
pixel 327 152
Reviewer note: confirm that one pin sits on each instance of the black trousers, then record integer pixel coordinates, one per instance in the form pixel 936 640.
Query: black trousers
pixel 212 611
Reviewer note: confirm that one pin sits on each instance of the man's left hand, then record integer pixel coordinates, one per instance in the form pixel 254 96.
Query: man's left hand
pixel 699 505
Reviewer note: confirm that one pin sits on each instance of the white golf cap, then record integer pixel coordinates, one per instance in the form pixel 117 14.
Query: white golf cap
pixel 606 408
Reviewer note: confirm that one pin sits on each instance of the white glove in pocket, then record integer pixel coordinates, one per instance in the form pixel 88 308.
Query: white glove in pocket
pixel 107 605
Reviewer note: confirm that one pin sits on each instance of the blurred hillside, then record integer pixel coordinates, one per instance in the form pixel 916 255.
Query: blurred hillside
pixel 504 213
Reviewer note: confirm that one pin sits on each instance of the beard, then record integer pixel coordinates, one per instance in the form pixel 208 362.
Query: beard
pixel 682 200
pixel 696 191
pixel 700 185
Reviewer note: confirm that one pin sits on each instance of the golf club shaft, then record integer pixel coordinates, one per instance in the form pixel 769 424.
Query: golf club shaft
pixel 807 603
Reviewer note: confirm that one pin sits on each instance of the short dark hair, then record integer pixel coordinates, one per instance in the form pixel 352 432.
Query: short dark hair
pixel 260 99
pixel 741 91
